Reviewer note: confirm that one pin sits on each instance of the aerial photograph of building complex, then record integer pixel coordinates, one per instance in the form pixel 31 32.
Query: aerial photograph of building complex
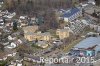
pixel 49 32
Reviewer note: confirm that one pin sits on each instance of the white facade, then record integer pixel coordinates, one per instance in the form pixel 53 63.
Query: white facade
pixel 98 29
pixel 4 58
pixel 66 19
pixel 11 46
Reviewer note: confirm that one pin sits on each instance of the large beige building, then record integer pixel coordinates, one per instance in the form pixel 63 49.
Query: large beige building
pixel 62 33
pixel 39 36
pixel 30 29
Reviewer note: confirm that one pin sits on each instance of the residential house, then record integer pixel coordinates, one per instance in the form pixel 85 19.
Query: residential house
pixel 9 15
pixel 95 27
pixel 19 64
pixel 1 3
pixel 98 29
pixel 23 24
pixel 1 31
pixel 15 63
pixel 2 56
pixel 33 19
pixel 71 14
pixel 6 43
pixel 11 53
pixel 23 17
pixel 1 14
pixel 62 33
pixel 6 54
pixel 1 22
pixel 8 24
pixel 12 63
pixel 19 41
pixel 4 12
pixel 32 58
pixel 12 45
pixel 91 26
pixel 11 37
pixel 92 2
pixel 42 44
pixel 57 42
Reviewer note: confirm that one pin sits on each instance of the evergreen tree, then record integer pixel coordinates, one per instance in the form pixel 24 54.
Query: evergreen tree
pixel 15 25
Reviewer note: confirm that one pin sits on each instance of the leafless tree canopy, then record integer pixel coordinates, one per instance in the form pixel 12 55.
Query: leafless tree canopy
pixel 29 6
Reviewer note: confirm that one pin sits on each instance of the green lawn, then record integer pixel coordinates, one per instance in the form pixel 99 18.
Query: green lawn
pixel 3 63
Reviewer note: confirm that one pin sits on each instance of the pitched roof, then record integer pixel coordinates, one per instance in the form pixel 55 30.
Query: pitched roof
pixel 42 34
pixel 89 42
pixel 70 12
pixel 30 27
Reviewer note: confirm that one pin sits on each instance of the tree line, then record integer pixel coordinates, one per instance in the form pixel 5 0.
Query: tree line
pixel 30 6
